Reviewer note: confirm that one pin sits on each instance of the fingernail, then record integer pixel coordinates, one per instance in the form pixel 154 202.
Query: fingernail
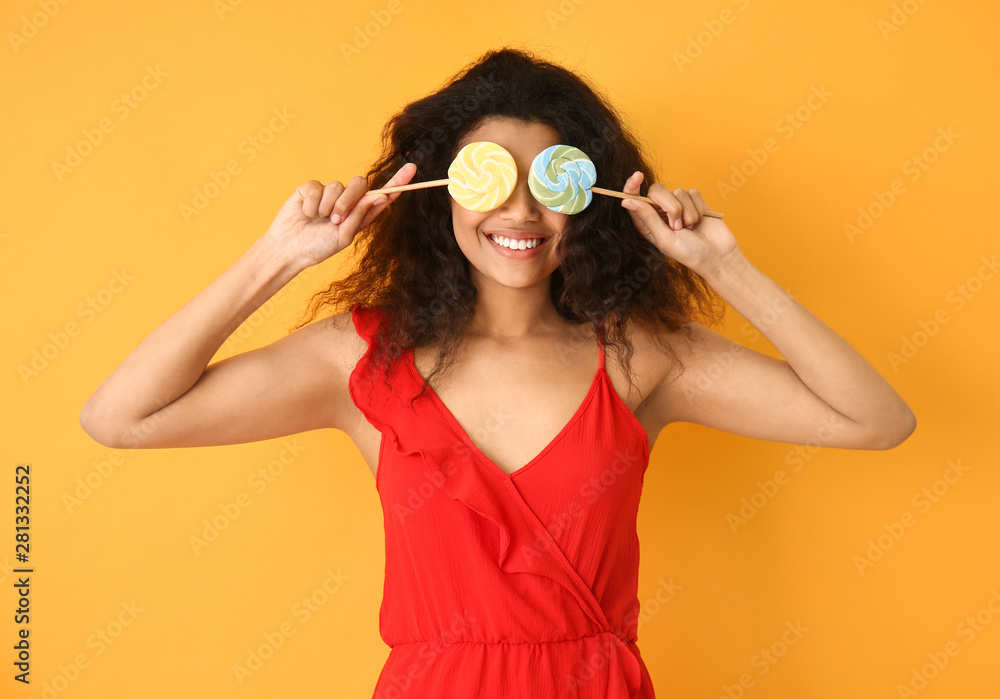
pixel 629 204
pixel 335 219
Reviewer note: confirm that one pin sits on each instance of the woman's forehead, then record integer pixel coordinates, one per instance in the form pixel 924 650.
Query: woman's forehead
pixel 507 127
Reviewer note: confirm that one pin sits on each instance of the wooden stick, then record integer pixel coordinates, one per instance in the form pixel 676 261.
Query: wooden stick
pixel 623 195
pixel 599 190
pixel 407 187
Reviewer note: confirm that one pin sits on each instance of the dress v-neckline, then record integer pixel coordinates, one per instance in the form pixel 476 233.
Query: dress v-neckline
pixel 460 431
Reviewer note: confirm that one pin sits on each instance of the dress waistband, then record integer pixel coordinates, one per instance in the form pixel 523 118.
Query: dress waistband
pixel 449 640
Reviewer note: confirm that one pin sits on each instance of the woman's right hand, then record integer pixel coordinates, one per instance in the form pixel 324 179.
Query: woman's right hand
pixel 317 222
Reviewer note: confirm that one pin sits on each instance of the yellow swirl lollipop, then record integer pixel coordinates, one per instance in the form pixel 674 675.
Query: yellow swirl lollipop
pixel 482 176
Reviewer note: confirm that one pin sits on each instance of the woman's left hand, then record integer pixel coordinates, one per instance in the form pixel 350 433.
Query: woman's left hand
pixel 680 229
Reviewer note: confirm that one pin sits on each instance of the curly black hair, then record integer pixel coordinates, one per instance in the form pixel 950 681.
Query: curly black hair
pixel 410 264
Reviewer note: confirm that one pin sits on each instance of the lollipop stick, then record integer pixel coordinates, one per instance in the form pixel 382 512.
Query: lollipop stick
pixel 623 195
pixel 407 187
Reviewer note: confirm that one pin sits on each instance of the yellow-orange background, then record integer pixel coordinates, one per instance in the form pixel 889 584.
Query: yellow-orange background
pixel 222 72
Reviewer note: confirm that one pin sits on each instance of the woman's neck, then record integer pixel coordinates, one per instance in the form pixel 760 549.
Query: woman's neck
pixel 510 313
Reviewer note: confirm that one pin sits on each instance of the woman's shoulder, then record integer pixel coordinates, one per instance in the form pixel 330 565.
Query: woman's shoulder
pixel 655 336
pixel 660 351
pixel 357 321
pixel 339 340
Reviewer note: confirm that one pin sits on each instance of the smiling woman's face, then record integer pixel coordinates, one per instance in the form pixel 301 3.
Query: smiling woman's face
pixel 520 217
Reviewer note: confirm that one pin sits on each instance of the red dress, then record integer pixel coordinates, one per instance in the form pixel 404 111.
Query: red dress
pixel 505 585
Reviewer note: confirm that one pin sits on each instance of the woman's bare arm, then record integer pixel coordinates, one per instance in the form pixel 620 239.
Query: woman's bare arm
pixel 164 394
pixel 822 390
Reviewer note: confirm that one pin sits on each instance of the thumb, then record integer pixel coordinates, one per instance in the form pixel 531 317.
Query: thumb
pixel 643 217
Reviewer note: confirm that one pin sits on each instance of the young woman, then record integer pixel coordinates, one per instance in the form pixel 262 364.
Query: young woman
pixel 508 448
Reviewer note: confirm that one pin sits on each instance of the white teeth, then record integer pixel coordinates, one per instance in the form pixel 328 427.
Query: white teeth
pixel 515 244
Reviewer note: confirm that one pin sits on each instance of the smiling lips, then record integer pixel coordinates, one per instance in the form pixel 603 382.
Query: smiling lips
pixel 515 240
pixel 517 243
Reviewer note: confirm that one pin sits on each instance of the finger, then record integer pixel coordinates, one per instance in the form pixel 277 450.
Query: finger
pixel 689 216
pixel 403 176
pixel 360 211
pixel 699 202
pixel 355 189
pixel 311 192
pixel 633 182
pixel 668 203
pixel 375 209
pixel 331 193
pixel 632 187
pixel 645 218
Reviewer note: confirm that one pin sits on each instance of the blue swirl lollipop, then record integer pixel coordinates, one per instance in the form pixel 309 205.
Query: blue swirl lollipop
pixel 561 179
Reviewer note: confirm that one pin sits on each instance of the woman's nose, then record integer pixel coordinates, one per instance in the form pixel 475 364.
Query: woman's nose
pixel 521 204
